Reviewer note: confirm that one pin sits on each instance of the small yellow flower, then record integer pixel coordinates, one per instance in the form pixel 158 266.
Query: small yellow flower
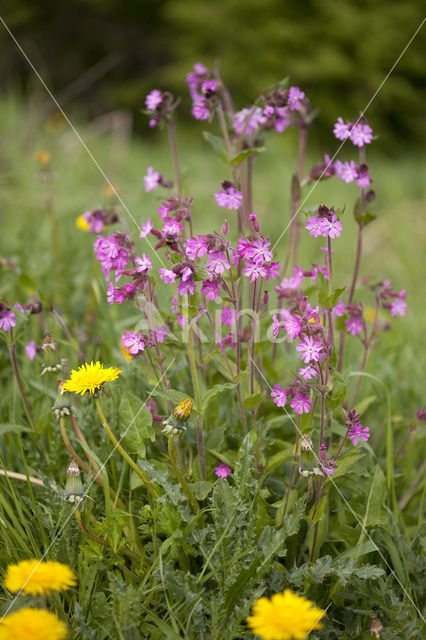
pixel 81 223
pixel 369 315
pixel 43 158
pixel 35 577
pixel 125 353
pixel 90 377
pixel 286 616
pixel 32 624
pixel 183 410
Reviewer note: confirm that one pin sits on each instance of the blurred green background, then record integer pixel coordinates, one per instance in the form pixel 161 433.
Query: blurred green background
pixel 103 55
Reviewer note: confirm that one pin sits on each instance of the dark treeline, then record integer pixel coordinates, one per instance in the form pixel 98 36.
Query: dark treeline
pixel 106 54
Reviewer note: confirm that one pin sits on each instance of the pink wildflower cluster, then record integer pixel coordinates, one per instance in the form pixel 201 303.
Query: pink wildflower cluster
pixel 159 107
pixel 324 223
pixel 112 253
pixel 153 179
pixel 277 113
pixel 258 256
pixel 349 171
pixel 360 134
pixel 300 401
pixel 173 212
pixel 98 219
pixel 7 320
pixel 393 301
pixel 204 91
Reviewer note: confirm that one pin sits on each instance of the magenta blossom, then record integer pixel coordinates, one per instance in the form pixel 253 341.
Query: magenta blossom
pixel 132 342
pixel 346 171
pixel 259 251
pixel 227 316
pixel 230 198
pixel 314 226
pixel 331 228
pixel 31 349
pixel 146 228
pixel 159 333
pixel 152 179
pixel 195 247
pixel 308 372
pixel 272 271
pixel 295 95
pixel 363 179
pixel 398 307
pixel 248 120
pixel 143 264
pixel 278 395
pixel 187 286
pixel 153 99
pixel 342 130
pixel 7 320
pixel 222 471
pixel 358 432
pixel 310 349
pixel 210 289
pixel 361 134
pixel 254 271
pixel 167 275
pixel 300 404
pixel 217 263
pixel 353 326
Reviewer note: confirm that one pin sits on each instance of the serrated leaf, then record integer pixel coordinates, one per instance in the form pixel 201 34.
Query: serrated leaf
pixel 201 489
pixel 241 376
pixel 135 424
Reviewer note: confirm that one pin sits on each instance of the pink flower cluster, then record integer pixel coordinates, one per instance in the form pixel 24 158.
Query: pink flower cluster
pixel 360 134
pixel 276 114
pixel 229 197
pixel 258 256
pixel 203 89
pixel 348 172
pixel 7 320
pixel 394 301
pixel 112 254
pixel 159 106
pixel 300 402
pixel 325 224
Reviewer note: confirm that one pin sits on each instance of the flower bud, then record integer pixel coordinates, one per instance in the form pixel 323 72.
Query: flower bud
pixel 74 487
pixel 225 228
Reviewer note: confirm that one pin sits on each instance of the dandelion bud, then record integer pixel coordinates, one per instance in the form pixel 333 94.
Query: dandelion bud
pixel 74 487
pixel 225 228
pixel 62 406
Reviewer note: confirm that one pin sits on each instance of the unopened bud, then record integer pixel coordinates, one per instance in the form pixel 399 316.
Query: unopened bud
pixel 255 225
pixel 225 228
pixel 74 487
pixel 266 298
pixel 323 452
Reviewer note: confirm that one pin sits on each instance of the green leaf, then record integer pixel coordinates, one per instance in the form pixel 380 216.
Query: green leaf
pixel 171 395
pixel 278 459
pixel 6 427
pixel 345 463
pixel 365 403
pixel 253 401
pixel 330 301
pixel 135 423
pixel 240 377
pixel 201 489
pixel 375 513
pixel 218 145
pixel 212 393
pixel 240 157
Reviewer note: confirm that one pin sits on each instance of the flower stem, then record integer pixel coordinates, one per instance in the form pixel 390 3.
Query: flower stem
pixel 185 486
pixel 152 490
pixel 200 437
pixel 171 126
pixel 25 403
pixel 293 467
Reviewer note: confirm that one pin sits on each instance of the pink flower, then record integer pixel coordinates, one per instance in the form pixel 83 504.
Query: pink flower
pixel 167 275
pixel 159 333
pixel 222 471
pixel 195 247
pixel 259 251
pixel 308 372
pixel 217 263
pixel 300 404
pixel 310 349
pixel 331 228
pixel 342 130
pixel 187 286
pixel 248 120
pixel 253 271
pixel 272 271
pixel 7 320
pixel 363 179
pixel 398 307
pixel 358 432
pixel 314 226
pixel 292 325
pixel 172 228
pixel 230 198
pixel 146 228
pixel 210 289
pixel 346 171
pixel 200 110
pixel 151 180
pixel 243 248
pixel 294 96
pixel 31 349
pixel 276 326
pixel 133 342
pixel 227 316
pixel 353 326
pixel 361 134
pixel 339 309
pixel 143 264
pixel 153 99
pixel 279 395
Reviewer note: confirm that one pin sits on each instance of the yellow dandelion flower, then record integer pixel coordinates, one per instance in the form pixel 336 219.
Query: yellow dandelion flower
pixel 286 616
pixel 90 377
pixel 81 223
pixel 35 577
pixel 183 410
pixel 32 624
pixel 43 158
